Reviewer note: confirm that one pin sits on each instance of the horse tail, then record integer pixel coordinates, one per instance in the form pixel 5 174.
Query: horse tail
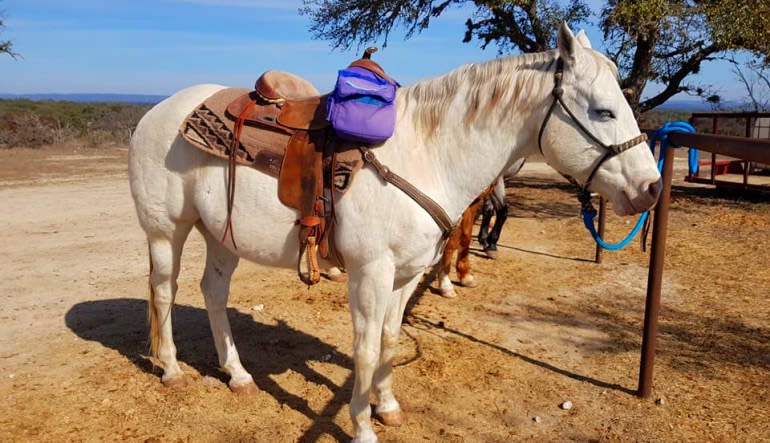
pixel 152 314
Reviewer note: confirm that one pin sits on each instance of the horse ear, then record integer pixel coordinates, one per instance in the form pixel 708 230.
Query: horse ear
pixel 567 43
pixel 583 39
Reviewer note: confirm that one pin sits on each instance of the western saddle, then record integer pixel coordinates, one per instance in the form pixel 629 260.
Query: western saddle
pixel 280 128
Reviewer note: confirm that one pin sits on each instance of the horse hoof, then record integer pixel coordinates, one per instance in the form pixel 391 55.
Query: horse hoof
pixel 491 253
pixel 337 278
pixel 391 418
pixel 249 388
pixel 447 292
pixel 365 437
pixel 469 281
pixel 174 381
pixel 335 274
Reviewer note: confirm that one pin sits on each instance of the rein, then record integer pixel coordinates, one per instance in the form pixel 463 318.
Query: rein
pixel 610 150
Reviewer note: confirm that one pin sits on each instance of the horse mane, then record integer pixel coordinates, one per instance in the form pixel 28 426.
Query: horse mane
pixel 487 87
pixel 502 83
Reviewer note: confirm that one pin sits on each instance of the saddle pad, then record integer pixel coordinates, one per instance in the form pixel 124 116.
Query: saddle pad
pixel 210 128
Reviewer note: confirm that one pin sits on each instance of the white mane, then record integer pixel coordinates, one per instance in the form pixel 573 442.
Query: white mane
pixel 503 83
pixel 499 85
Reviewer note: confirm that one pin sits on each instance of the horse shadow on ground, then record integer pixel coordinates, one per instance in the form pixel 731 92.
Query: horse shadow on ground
pixel 121 324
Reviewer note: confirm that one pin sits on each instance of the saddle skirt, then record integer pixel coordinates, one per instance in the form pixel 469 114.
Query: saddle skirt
pixel 263 139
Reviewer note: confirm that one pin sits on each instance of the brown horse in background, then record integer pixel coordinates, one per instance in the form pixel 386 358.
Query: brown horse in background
pixel 460 241
pixel 491 203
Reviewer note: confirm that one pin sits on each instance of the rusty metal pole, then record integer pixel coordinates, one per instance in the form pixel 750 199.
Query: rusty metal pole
pixel 602 219
pixel 655 278
pixel 713 154
pixel 746 163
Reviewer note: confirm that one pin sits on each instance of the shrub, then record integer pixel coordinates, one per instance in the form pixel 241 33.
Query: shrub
pixel 36 123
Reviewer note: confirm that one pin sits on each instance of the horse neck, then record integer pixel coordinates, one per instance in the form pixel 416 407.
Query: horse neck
pixel 477 120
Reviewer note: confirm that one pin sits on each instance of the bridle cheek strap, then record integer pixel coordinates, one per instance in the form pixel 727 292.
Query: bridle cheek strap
pixel 611 150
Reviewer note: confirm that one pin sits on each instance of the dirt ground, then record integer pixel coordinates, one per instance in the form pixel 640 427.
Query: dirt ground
pixel 546 325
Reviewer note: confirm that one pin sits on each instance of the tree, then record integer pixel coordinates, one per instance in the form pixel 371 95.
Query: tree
pixel 755 77
pixel 665 41
pixel 527 25
pixel 6 47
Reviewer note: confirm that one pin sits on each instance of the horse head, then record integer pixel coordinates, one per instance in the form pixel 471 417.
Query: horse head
pixel 589 132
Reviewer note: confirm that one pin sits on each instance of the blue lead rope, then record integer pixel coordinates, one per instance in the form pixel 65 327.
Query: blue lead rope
pixel 588 212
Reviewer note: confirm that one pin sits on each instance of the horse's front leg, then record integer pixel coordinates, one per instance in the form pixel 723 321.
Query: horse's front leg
pixel 215 285
pixel 388 410
pixel 369 290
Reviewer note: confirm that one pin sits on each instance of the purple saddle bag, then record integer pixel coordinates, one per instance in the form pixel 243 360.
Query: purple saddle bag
pixel 362 106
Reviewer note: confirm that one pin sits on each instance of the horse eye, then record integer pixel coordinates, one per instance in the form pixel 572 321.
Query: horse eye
pixel 605 114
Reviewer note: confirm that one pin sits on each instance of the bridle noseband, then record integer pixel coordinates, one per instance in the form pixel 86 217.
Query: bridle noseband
pixel 610 150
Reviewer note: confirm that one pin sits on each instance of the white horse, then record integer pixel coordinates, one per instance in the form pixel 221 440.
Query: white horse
pixel 486 115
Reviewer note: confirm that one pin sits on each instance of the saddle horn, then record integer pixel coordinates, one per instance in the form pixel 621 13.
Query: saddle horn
pixel 368 52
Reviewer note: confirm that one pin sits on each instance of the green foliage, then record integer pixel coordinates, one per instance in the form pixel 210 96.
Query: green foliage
pixel 523 25
pixel 346 23
pixel 36 123
pixel 526 25
pixel 740 24
pixel 668 40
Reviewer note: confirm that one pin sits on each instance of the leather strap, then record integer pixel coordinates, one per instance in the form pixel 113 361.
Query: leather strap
pixel 431 207
pixel 231 168
pixel 611 150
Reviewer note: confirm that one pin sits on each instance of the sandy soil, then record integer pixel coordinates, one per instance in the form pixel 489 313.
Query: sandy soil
pixel 545 326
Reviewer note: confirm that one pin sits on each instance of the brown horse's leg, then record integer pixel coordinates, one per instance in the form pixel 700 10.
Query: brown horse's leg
pixel 463 265
pixel 445 265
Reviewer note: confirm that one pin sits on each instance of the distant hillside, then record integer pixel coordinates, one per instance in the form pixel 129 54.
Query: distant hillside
pixel 143 99
pixel 26 122
pixel 149 99
pixel 685 105
pixel 700 106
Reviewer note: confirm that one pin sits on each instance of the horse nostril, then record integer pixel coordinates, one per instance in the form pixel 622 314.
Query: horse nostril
pixel 654 189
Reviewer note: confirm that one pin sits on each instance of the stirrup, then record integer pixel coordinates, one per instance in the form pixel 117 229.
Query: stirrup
pixel 313 274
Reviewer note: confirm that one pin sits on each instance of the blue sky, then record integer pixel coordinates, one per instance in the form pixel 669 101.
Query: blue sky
pixel 160 46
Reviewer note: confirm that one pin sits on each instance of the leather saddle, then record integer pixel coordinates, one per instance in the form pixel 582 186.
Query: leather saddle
pixel 280 128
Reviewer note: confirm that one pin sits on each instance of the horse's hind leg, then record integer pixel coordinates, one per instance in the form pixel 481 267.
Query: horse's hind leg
pixel 446 289
pixel 215 285
pixel 501 215
pixel 499 206
pixel 463 264
pixel 165 254
pixel 487 211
